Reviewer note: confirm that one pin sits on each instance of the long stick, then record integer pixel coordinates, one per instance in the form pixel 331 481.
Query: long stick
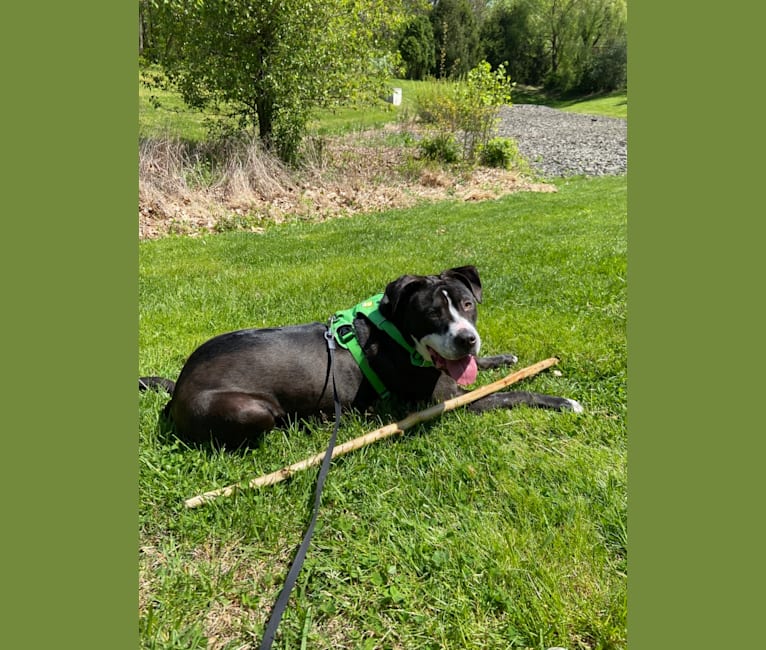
pixel 384 432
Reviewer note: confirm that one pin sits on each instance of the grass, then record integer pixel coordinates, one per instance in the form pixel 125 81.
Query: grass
pixel 163 113
pixel 495 531
pixel 342 120
pixel 611 104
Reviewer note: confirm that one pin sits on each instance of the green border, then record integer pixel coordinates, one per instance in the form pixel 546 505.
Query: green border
pixel 695 277
pixel 70 289
pixel 69 267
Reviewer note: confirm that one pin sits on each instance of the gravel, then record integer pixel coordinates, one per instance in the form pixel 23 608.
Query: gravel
pixel 557 143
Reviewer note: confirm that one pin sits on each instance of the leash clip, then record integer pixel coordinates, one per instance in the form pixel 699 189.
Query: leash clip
pixel 328 335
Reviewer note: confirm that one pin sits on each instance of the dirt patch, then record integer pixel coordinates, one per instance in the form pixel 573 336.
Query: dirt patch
pixel 348 175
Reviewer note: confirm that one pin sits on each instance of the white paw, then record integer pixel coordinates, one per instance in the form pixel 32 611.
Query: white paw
pixel 574 405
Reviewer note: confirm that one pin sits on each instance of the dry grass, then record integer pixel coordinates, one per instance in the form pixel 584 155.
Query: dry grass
pixel 228 567
pixel 194 188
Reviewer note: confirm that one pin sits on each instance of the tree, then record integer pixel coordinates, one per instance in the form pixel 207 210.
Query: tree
pixel 575 31
pixel 456 31
pixel 418 48
pixel 153 35
pixel 273 61
pixel 565 44
pixel 603 55
pixel 509 35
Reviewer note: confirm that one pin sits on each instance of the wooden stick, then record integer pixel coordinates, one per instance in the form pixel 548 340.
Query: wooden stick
pixel 384 432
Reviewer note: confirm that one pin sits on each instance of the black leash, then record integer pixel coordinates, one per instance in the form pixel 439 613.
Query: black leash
pixel 300 556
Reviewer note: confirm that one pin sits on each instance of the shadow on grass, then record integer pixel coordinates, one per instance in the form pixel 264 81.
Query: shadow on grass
pixel 538 95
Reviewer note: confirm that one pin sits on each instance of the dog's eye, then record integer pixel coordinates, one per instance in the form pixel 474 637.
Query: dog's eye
pixel 467 305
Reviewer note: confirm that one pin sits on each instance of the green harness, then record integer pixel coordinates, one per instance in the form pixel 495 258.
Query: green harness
pixel 342 328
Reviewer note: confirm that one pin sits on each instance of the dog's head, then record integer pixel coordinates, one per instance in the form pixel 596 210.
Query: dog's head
pixel 438 313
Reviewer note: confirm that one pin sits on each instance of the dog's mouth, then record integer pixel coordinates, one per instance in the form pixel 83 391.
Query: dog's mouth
pixel 463 370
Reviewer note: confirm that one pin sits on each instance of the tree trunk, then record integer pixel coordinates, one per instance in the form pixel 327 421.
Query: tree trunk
pixel 264 110
pixel 140 30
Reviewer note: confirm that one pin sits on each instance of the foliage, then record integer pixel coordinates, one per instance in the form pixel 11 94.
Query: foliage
pixel 456 31
pixel 269 65
pixel 484 92
pixel 500 152
pixel 418 48
pixel 607 69
pixel 442 147
pixel 272 62
pixel 509 35
pixel 175 120
pixel 568 45
pixel 467 109
pixel 579 31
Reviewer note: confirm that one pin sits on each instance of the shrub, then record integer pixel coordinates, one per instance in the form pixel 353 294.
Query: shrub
pixel 467 110
pixel 501 152
pixel 442 147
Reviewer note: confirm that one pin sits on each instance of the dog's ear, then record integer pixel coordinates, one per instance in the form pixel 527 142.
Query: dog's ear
pixel 469 276
pixel 397 292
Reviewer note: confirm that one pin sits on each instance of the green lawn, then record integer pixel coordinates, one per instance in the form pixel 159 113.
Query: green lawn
pixel 162 112
pixel 612 104
pixel 503 530
pixel 168 115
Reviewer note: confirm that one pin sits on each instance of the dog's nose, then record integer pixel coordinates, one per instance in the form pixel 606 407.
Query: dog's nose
pixel 466 338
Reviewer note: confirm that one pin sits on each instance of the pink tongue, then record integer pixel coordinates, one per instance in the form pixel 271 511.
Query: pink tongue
pixel 463 371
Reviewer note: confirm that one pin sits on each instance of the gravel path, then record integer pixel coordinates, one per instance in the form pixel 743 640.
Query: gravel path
pixel 557 143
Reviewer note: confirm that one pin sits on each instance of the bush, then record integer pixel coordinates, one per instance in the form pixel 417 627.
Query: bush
pixel 442 147
pixel 500 152
pixel 467 110
pixel 435 108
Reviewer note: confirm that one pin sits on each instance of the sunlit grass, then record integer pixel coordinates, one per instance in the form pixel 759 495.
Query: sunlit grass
pixel 495 531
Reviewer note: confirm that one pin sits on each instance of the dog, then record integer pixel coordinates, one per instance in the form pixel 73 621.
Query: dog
pixel 417 341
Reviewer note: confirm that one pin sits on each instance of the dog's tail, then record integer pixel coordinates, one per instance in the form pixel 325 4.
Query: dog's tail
pixel 145 383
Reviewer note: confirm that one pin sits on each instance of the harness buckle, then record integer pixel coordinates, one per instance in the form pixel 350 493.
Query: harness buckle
pixel 345 333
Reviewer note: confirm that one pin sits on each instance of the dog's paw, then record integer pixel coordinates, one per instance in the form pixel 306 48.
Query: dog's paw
pixel 508 359
pixel 573 405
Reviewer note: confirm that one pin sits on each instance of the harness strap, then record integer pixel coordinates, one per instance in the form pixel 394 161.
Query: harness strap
pixel 342 328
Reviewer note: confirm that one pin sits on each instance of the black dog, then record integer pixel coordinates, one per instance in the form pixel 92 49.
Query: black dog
pixel 418 341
